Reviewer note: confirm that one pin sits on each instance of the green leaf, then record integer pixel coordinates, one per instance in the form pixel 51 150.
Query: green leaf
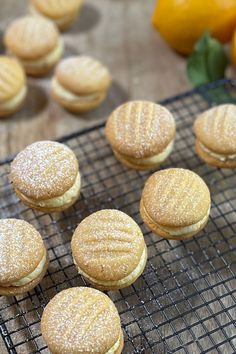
pixel 208 61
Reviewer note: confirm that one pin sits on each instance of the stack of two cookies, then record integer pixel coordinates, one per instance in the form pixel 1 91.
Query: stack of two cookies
pixel 108 249
pixel 34 47
pixel 46 177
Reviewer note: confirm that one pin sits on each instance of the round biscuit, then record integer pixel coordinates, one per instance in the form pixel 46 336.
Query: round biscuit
pixel 140 129
pixel 107 245
pixel 176 197
pixel 31 37
pixel 83 75
pixel 216 129
pixel 21 250
pixel 81 320
pixel 44 170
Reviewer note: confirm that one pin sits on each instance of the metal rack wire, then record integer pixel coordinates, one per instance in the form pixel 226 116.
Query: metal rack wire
pixel 185 300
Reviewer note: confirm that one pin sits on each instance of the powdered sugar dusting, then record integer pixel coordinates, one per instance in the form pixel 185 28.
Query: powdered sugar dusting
pixel 176 197
pixel 44 170
pixel 80 320
pixel 216 128
pixel 21 249
pixel 107 245
pixel 140 129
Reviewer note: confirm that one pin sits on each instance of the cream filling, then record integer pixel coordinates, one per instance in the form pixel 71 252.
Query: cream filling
pixel 66 95
pixel 64 199
pixel 47 60
pixel 38 270
pixel 153 160
pixel 59 21
pixel 122 281
pixel 176 231
pixel 220 157
pixel 15 101
pixel 114 347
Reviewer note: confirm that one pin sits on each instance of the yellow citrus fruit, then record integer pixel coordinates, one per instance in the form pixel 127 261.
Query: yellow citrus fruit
pixel 233 48
pixel 182 22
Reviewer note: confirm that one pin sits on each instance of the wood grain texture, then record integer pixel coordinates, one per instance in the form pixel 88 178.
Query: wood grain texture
pixel 118 33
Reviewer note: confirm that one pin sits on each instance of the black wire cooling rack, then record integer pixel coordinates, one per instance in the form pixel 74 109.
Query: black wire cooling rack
pixel 185 300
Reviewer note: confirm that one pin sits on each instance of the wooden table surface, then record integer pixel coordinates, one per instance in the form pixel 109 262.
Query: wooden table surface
pixel 119 33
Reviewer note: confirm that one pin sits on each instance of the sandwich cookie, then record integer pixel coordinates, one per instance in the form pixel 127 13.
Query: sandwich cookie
pixel 35 41
pixel 45 176
pixel 13 87
pixel 215 131
pixel 62 12
pixel 23 257
pixel 175 203
pixel 82 320
pixel 80 83
pixel 141 134
pixel 108 249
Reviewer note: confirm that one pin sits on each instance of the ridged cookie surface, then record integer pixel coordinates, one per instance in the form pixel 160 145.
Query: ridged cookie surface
pixel 12 78
pixel 176 197
pixel 44 170
pixel 140 129
pixel 216 128
pixel 21 250
pixel 80 320
pixel 83 75
pixel 107 245
pixel 31 37
pixel 56 8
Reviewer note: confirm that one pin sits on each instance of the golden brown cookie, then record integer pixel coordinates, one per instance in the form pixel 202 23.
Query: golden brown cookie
pixel 13 87
pixel 175 203
pixel 62 12
pixel 45 176
pixel 80 83
pixel 35 42
pixel 215 131
pixel 108 249
pixel 82 320
pixel 141 134
pixel 23 257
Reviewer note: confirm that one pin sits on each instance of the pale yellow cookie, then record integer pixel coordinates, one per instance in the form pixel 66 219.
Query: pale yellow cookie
pixel 62 12
pixel 108 249
pixel 23 257
pixel 82 320
pixel 13 87
pixel 80 83
pixel 35 42
pixel 45 176
pixel 141 134
pixel 215 131
pixel 175 203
